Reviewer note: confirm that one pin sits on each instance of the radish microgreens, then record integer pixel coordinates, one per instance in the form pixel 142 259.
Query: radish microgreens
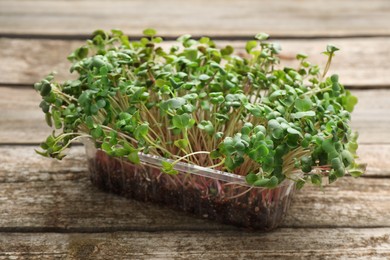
pixel 204 105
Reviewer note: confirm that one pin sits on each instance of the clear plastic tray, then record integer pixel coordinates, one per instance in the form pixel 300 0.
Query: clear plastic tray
pixel 200 191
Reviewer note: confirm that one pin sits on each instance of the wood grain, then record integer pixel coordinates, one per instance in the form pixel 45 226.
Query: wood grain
pixel 23 121
pixel 173 17
pixel 41 194
pixel 362 62
pixel 281 244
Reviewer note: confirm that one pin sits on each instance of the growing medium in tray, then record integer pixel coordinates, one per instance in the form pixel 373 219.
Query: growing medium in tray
pixel 193 103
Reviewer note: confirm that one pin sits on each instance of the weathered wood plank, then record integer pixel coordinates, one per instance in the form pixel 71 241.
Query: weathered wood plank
pixel 377 159
pixel 41 194
pixel 21 111
pixel 172 17
pixel 362 62
pixel 75 205
pixel 23 121
pixel 370 117
pixel 281 244
pixel 28 61
pixel 350 203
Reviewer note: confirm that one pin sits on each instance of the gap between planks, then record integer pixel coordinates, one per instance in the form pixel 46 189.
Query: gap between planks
pixel 230 38
pixel 292 18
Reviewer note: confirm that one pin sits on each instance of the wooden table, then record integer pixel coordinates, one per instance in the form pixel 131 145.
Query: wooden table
pixel 49 209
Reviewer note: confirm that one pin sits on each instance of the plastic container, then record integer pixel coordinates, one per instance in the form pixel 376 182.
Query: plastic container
pixel 200 191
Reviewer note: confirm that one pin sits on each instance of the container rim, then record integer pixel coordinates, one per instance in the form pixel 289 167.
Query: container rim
pixel 155 161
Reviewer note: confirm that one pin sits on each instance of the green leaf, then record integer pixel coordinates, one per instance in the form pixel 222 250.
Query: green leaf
pixel 166 165
pixel 206 126
pixel 303 104
pixel 356 172
pixel 167 168
pixel 331 48
pixel 228 50
pixel 45 106
pixel 204 77
pixel 48 119
pixel 101 103
pixel 120 152
pixel 94 109
pixel 97 132
pixel 133 157
pixel 306 168
pixel 218 135
pixel 215 154
pixel 141 131
pixel 263 150
pixel 316 179
pixel 184 38
pixel 160 83
pixel 106 147
pixel 336 163
pixel 117 32
pixel 239 146
pixel 149 32
pixel 251 178
pixel 347 158
pixel 181 121
pixel 299 115
pixel 334 78
pixel 261 36
pixel 250 45
pixel 173 103
pixel 272 183
pixel 45 88
pixel 332 177
pixel 245 130
pixel 100 33
pixel 300 183
pixel 339 172
pixel 277 93
pixel 261 182
pixel 260 129
pixel 301 56
pixel 191 54
pixel 57 119
pixel 328 145
pixel 89 122
pixel 275 129
pixel 181 143
pixel 349 102
pixel 158 40
pixel 204 40
pixel 205 105
pixel 294 131
pixel 81 52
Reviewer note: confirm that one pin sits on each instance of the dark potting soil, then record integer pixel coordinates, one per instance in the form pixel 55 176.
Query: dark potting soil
pixel 197 195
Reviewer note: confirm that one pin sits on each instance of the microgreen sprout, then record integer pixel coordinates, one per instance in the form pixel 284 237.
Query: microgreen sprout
pixel 204 105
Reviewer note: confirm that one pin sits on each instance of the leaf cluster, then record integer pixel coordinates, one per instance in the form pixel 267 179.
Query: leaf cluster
pixel 202 104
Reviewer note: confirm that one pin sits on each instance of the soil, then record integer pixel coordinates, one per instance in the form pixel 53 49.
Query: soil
pixel 204 197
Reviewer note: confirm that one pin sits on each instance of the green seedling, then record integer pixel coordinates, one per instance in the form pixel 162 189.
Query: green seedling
pixel 204 105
